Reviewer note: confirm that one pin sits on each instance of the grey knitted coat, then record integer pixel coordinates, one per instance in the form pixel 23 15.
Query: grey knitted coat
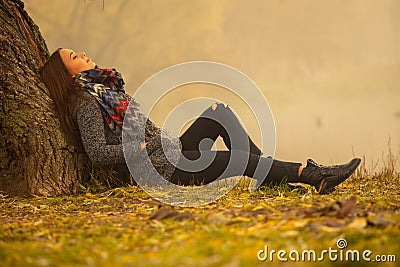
pixel 104 147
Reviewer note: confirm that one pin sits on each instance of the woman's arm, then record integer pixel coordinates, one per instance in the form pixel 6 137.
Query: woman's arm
pixel 91 127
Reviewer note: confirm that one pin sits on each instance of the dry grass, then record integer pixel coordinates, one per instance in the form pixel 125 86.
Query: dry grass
pixel 125 227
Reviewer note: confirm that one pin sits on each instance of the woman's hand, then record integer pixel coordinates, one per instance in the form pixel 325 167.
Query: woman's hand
pixel 143 145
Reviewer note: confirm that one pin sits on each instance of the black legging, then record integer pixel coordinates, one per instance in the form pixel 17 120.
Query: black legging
pixel 246 156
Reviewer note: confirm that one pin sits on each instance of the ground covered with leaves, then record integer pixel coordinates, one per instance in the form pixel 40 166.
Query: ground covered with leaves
pixel 126 227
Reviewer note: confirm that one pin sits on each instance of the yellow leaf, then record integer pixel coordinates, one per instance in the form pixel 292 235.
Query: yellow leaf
pixel 358 223
pixel 240 219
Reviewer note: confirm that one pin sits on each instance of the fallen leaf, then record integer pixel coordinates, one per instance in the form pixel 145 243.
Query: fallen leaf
pixel 169 213
pixel 239 219
pixel 357 223
pixel 380 222
pixel 346 207
pixel 217 218
pixel 334 223
pixel 339 209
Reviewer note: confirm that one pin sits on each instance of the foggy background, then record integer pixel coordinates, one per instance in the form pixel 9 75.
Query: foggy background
pixel 330 70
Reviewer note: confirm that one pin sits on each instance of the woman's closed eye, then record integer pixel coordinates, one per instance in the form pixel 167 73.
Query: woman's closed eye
pixel 76 62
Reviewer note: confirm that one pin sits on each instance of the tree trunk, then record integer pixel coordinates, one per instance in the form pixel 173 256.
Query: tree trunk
pixel 34 157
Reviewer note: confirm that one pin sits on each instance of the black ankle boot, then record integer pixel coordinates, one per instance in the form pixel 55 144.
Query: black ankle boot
pixel 325 178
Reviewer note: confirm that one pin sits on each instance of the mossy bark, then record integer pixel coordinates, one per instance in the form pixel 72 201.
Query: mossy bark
pixel 34 158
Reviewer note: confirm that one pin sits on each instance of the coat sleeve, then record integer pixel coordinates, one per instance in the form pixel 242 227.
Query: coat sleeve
pixel 91 125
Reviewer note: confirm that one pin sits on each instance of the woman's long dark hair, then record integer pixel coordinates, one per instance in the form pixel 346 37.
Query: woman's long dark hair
pixel 64 91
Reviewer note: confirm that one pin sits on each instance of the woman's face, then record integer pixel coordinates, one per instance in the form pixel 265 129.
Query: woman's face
pixel 76 62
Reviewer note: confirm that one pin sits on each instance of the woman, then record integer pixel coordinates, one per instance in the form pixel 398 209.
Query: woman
pixel 91 104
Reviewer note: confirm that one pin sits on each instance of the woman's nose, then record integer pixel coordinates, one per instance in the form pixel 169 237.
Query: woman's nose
pixel 82 54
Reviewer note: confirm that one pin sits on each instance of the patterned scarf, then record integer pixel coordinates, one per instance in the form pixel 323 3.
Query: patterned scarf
pixel 107 87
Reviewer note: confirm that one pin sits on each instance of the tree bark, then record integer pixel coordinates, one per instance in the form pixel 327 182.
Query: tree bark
pixel 34 157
